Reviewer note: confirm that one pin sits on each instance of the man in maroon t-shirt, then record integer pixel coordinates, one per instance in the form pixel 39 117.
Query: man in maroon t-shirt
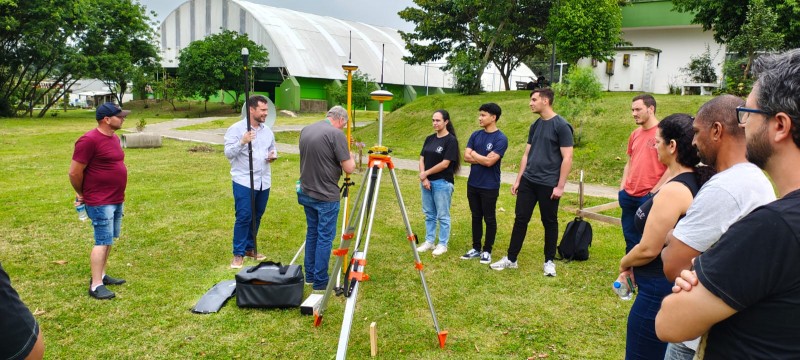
pixel 99 176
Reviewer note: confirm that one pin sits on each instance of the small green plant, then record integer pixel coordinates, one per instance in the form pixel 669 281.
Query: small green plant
pixel 141 124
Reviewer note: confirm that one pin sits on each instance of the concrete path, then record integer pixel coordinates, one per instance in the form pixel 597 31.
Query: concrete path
pixel 216 136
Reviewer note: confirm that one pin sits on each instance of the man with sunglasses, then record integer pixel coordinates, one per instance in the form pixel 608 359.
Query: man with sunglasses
pixel 736 189
pixel 99 176
pixel 743 295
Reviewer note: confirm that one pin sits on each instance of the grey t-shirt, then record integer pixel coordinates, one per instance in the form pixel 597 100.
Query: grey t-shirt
pixel 546 138
pixel 727 197
pixel 322 150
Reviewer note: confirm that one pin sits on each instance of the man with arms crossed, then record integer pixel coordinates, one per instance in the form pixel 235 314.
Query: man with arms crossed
pixel 484 151
pixel 744 292
pixel 736 189
pixel 323 157
pixel 238 153
pixel 542 176
pixel 643 173
pixel 99 177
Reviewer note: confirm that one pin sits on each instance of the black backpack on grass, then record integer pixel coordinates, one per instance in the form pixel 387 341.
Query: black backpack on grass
pixel 576 241
pixel 577 237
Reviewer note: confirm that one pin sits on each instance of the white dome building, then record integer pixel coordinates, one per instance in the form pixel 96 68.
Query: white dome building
pixel 307 51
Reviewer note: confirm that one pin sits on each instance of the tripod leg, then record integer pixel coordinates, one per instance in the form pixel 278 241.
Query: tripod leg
pixel 344 247
pixel 357 274
pixel 412 240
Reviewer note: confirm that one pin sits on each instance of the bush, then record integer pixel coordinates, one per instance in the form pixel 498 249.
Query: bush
pixel 580 83
pixel 735 81
pixel 701 68
pixel 465 66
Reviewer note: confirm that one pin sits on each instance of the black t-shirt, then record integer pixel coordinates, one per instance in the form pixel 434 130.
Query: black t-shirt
pixel 656 267
pixel 436 149
pixel 18 329
pixel 754 268
pixel 546 138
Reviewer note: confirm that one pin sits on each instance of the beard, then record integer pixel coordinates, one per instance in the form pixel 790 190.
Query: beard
pixel 758 149
pixel 709 160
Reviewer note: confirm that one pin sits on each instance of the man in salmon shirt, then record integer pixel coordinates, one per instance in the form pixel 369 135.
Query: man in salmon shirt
pixel 643 172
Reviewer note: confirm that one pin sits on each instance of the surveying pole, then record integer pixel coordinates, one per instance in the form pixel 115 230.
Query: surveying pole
pixel 364 214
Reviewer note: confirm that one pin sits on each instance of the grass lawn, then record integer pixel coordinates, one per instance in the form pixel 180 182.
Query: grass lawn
pixel 176 244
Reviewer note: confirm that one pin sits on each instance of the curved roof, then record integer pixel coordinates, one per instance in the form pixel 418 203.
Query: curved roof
pixel 306 45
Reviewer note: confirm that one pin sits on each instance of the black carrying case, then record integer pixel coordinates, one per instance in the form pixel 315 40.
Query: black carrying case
pixel 269 285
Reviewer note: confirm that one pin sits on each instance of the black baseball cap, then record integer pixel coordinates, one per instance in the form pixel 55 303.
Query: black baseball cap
pixel 110 109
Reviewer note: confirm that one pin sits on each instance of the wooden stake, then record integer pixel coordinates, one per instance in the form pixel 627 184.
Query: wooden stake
pixel 373 339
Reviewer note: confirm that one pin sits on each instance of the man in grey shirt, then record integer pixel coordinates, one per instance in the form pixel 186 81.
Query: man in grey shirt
pixel 736 189
pixel 323 156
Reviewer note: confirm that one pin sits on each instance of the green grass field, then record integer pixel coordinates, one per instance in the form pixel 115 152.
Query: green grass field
pixel 176 244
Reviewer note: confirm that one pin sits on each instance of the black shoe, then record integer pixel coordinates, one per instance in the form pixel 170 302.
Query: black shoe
pixel 108 280
pixel 101 293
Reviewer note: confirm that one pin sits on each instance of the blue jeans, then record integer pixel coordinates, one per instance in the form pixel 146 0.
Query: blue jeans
pixel 107 222
pixel 436 207
pixel 321 217
pixel 642 342
pixel 629 205
pixel 678 351
pixel 243 234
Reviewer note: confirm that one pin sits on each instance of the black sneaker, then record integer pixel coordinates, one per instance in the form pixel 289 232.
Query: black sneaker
pixel 108 280
pixel 471 254
pixel 101 293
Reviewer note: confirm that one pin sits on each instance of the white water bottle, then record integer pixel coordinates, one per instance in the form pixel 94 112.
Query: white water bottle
pixel 622 290
pixel 81 209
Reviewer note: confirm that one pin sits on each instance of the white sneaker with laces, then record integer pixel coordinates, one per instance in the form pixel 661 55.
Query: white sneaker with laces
pixel 486 257
pixel 439 250
pixel 503 264
pixel 550 268
pixel 424 247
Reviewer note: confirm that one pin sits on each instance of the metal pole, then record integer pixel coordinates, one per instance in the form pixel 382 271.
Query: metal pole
pixel 245 55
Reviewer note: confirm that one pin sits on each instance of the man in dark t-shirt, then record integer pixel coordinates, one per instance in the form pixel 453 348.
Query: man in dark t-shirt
pixel 20 336
pixel 484 151
pixel 99 176
pixel 542 176
pixel 743 296
pixel 323 157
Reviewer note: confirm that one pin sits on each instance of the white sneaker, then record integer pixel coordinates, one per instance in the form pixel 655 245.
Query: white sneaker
pixel 440 249
pixel 550 268
pixel 424 247
pixel 504 263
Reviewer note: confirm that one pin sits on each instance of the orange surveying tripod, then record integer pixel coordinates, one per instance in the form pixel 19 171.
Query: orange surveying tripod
pixel 363 214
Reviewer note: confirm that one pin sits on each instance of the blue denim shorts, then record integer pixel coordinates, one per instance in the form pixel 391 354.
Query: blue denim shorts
pixel 107 222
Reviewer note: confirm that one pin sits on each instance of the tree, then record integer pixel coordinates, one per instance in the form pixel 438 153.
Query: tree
pixel 363 85
pixel 501 31
pixel 47 46
pixel 122 40
pixel 727 17
pixel 701 67
pixel 585 28
pixel 215 63
pixel 758 34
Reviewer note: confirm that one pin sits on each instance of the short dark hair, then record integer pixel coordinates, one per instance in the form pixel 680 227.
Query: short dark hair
pixel 492 109
pixel 722 109
pixel 546 93
pixel 647 99
pixel 254 100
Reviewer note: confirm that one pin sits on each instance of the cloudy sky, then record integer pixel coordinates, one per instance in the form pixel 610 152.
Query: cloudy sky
pixel 374 12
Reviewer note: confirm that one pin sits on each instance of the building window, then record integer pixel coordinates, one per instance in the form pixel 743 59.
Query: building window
pixel 626 60
pixel 610 67
pixel 594 62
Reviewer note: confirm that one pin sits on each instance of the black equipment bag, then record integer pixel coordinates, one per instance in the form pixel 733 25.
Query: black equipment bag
pixel 576 241
pixel 269 285
pixel 577 237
